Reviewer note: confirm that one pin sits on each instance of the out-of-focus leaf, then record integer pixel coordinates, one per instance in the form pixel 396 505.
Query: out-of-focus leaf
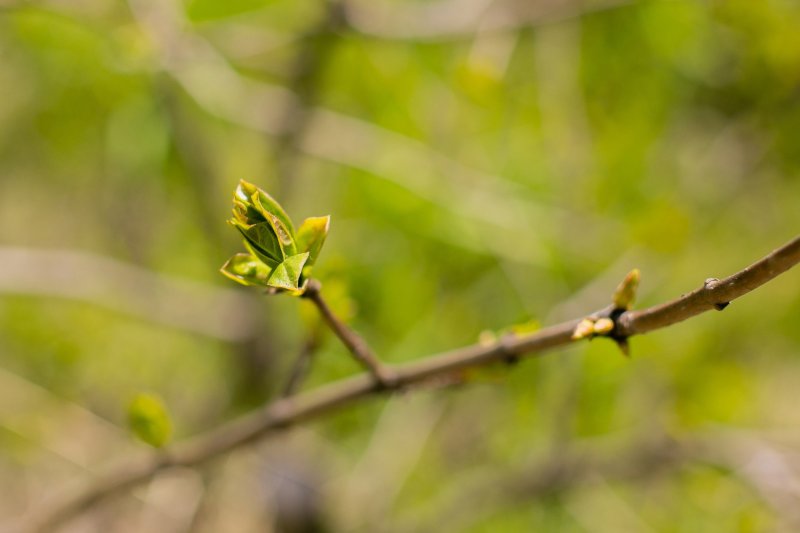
pixel 311 236
pixel 523 328
pixel 247 270
pixel 487 337
pixel 149 420
pixel 287 274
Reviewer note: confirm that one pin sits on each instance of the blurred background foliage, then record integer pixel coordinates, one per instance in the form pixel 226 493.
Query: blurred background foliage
pixel 485 162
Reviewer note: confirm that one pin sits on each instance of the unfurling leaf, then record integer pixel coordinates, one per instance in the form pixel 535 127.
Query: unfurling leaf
pixel 247 270
pixel 311 236
pixel 625 294
pixel 287 275
pixel 149 420
pixel 278 257
pixel 524 328
pixel 264 204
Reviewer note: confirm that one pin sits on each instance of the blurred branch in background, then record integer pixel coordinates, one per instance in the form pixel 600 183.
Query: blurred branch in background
pixel 459 19
pixel 222 314
pixel 317 45
pixel 755 461
pixel 255 357
pixel 208 77
pixel 286 412
pixel 302 362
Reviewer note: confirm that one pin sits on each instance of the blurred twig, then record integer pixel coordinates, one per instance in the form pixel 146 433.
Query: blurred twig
pixel 254 357
pixel 302 362
pixel 550 476
pixel 316 47
pixel 218 313
pixel 335 396
pixel 755 462
pixel 458 19
pixel 222 91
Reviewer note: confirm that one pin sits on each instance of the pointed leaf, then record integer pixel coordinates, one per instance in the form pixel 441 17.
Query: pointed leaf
pixel 247 270
pixel 311 236
pixel 287 274
pixel 268 261
pixel 265 204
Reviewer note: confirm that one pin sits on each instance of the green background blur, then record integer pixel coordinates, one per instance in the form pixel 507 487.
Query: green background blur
pixel 484 163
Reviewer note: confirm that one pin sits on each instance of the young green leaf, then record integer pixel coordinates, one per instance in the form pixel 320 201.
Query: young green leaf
pixel 263 203
pixel 247 270
pixel 287 275
pixel 274 259
pixel 311 236
pixel 262 241
pixel 285 238
pixel 149 420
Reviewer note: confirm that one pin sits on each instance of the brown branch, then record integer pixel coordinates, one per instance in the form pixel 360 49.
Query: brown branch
pixel 714 294
pixel 357 346
pixel 335 396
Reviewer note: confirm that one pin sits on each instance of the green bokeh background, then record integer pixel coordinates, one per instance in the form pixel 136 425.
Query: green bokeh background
pixel 474 181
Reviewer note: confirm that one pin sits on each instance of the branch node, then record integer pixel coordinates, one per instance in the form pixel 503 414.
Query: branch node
pixel 385 379
pixel 504 347
pixel 719 306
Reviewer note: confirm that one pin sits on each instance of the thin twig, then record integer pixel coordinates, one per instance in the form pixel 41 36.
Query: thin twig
pixel 352 340
pixel 302 362
pixel 714 294
pixel 335 396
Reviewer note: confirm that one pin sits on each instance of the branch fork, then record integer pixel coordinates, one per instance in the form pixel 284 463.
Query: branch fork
pixel 382 375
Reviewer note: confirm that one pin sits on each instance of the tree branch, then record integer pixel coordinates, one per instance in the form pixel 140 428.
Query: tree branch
pixel 335 396
pixel 714 294
pixel 357 346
